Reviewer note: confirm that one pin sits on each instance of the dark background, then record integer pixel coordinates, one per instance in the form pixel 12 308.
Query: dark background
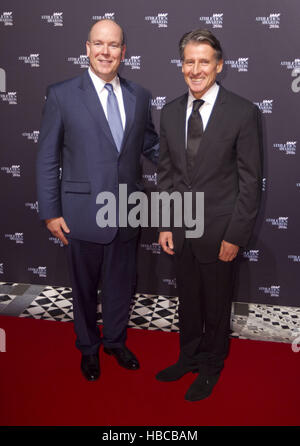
pixel 264 33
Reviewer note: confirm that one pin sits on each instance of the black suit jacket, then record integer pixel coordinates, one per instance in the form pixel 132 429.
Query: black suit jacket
pixel 228 169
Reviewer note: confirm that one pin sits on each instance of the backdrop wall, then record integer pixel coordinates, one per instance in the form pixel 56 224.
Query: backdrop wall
pixel 43 42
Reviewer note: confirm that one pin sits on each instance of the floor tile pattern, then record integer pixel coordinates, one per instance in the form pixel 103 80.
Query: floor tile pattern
pixel 150 312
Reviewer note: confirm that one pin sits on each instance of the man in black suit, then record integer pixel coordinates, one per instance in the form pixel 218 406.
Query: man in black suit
pixel 96 126
pixel 209 143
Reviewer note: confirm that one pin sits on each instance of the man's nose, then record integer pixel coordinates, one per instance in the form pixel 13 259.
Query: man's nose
pixel 105 48
pixel 196 68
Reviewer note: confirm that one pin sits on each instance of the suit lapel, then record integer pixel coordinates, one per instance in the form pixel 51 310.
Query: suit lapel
pixel 129 99
pixel 91 100
pixel 212 127
pixel 180 126
pixel 93 104
pixel 213 121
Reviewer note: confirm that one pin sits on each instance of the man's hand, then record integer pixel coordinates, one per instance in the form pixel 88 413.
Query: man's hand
pixel 166 242
pixel 56 226
pixel 228 251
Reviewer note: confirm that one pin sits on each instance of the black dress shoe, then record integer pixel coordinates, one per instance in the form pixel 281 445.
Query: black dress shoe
pixel 90 367
pixel 124 357
pixel 201 388
pixel 174 372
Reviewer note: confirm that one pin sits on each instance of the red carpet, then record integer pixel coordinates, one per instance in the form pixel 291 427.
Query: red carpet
pixel 41 383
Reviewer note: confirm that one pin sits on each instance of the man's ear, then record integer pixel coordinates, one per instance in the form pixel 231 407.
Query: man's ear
pixel 220 64
pixel 88 49
pixel 123 51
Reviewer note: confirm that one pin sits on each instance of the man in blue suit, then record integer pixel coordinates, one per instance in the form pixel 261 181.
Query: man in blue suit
pixel 95 126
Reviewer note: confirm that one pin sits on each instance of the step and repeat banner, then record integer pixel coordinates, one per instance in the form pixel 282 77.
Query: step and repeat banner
pixel 43 42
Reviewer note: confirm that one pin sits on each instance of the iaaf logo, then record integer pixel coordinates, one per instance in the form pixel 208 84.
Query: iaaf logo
pixel 266 106
pixel 291 64
pixel 7 18
pixel 14 170
pixel 82 60
pixel 159 102
pixel 176 62
pixel 280 222
pixel 155 248
pixel 106 16
pixel 170 282
pixel 10 97
pixel 289 147
pixel 56 18
pixel 32 136
pixel 161 20
pixel 241 64
pixel 17 237
pixel 134 62
pixel 33 60
pixel 151 178
pixel 33 206
pixel 251 255
pixel 40 271
pixel 294 258
pixel 216 20
pixel 56 241
pixel 273 290
pixel 272 21
pixel 1 268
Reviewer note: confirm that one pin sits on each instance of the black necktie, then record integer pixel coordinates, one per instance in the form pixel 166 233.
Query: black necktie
pixel 194 135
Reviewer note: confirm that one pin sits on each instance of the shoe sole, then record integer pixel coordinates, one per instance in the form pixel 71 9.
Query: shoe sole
pixel 89 379
pixel 202 397
pixel 175 379
pixel 121 365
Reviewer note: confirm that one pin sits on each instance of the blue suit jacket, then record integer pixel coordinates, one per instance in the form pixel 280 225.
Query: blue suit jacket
pixel 75 136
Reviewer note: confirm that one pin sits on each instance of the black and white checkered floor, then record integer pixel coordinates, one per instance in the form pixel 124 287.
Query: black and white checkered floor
pixel 248 321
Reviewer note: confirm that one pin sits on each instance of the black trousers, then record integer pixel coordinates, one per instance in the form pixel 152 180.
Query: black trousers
pixel 115 264
pixel 205 297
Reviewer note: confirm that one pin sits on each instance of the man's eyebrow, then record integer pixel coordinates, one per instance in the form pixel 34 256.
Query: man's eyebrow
pixel 110 42
pixel 190 59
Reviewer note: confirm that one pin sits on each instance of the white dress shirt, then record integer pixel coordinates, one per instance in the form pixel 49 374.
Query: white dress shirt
pixel 103 93
pixel 205 110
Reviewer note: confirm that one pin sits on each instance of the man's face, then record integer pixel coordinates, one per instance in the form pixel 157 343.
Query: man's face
pixel 200 67
pixel 105 49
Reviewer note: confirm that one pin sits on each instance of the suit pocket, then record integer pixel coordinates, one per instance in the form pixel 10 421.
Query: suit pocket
pixel 77 187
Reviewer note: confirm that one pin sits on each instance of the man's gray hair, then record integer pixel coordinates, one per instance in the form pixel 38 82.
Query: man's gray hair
pixel 200 36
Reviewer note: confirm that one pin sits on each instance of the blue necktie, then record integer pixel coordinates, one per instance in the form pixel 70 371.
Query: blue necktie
pixel 114 116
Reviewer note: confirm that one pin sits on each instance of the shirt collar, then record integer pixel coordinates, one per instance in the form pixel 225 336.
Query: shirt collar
pixel 209 97
pixel 100 83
